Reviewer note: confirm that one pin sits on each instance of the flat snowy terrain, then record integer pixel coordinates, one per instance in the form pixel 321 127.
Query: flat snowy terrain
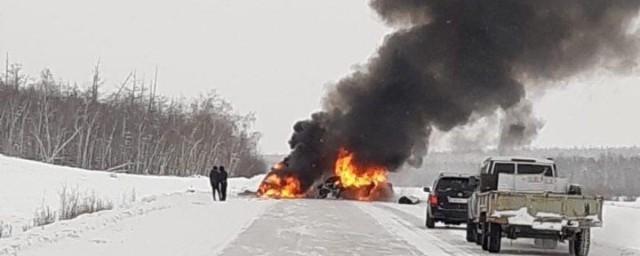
pixel 29 185
pixel 176 216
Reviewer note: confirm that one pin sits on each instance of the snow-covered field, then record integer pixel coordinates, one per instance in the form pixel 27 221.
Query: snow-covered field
pixel 29 185
pixel 176 216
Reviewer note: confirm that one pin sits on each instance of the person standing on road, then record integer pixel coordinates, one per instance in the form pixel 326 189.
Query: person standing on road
pixel 214 179
pixel 223 183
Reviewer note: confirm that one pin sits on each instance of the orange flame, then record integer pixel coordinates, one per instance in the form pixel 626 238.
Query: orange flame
pixel 363 183
pixel 274 186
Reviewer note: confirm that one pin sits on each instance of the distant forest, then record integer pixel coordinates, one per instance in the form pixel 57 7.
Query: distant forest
pixel 610 172
pixel 131 129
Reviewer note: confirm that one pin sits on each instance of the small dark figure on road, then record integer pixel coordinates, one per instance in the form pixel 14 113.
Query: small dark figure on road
pixel 214 179
pixel 223 183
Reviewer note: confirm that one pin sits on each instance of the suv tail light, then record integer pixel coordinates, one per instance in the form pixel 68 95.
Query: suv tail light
pixel 433 200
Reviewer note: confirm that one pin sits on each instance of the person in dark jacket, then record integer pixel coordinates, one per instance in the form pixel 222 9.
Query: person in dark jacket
pixel 214 179
pixel 223 183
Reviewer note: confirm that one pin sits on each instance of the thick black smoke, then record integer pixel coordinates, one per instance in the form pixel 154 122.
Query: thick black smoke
pixel 449 60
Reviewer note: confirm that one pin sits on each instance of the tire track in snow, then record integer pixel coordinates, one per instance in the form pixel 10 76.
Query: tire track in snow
pixel 427 243
pixel 318 227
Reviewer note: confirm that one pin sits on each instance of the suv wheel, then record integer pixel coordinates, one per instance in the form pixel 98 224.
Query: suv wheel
pixel 430 223
pixel 471 231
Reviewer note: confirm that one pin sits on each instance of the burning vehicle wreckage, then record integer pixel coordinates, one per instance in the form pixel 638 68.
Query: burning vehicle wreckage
pixel 347 180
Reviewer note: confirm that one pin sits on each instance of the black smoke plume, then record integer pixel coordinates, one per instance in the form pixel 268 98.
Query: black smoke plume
pixel 451 59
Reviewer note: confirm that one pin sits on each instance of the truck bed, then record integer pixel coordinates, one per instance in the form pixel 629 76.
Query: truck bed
pixel 529 208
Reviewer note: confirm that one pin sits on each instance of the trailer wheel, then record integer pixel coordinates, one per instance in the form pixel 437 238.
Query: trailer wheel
pixel 471 231
pixel 494 238
pixel 579 245
pixel 430 223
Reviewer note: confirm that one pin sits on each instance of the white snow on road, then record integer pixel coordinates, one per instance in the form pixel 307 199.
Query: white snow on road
pixel 318 227
pixel 426 242
pixel 621 229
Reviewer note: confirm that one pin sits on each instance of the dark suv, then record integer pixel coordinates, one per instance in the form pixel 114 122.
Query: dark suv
pixel 448 199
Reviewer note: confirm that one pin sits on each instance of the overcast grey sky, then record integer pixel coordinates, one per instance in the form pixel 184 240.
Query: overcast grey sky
pixel 275 58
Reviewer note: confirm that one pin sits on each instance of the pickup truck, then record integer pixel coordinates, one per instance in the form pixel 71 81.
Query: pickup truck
pixel 518 197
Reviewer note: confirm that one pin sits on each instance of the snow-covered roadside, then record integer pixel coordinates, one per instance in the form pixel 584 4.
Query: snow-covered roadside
pixel 177 224
pixel 635 204
pixel 29 185
pixel 74 228
pixel 621 228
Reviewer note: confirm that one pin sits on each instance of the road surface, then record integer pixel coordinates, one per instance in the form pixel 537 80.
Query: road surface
pixel 190 224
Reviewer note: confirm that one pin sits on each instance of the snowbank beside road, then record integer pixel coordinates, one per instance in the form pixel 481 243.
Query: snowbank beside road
pixel 635 204
pixel 176 224
pixel 28 185
pixel 621 228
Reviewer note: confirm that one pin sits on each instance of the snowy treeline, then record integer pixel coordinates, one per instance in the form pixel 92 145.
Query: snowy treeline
pixel 610 175
pixel 131 128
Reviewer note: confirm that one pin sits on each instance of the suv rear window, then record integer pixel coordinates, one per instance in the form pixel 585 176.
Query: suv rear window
pixel 455 184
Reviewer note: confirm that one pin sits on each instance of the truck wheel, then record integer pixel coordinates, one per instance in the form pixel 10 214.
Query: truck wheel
pixel 494 238
pixel 471 231
pixel 430 223
pixel 478 235
pixel 485 236
pixel 478 232
pixel 579 245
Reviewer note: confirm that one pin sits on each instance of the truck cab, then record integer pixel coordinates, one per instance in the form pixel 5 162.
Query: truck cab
pixel 526 170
